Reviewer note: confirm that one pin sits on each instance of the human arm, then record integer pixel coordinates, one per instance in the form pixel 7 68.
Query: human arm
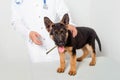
pixel 19 24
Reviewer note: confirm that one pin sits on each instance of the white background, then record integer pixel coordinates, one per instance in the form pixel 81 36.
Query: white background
pixel 102 15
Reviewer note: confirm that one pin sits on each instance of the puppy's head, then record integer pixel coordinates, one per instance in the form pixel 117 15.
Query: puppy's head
pixel 58 31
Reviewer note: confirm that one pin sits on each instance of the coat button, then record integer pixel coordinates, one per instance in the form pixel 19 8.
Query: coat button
pixel 39 16
pixel 12 23
pixel 41 27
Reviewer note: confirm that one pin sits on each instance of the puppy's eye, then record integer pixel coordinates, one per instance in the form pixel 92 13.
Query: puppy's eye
pixel 56 32
pixel 61 31
pixel 53 25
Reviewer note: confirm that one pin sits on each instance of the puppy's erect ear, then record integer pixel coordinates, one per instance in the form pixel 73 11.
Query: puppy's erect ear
pixel 65 19
pixel 48 23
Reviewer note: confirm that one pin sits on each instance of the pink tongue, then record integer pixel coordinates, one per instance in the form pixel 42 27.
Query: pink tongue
pixel 61 49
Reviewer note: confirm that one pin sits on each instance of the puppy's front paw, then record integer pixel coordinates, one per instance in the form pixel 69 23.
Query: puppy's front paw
pixel 60 70
pixel 72 73
pixel 92 63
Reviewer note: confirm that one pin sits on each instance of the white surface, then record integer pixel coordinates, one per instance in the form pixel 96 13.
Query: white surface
pixel 105 69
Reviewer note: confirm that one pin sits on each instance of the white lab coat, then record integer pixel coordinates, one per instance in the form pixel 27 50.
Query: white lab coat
pixel 28 15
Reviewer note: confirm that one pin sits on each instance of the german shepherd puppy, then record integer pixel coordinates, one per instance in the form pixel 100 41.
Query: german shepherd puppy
pixel 85 40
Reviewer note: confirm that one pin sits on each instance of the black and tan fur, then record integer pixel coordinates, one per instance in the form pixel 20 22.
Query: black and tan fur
pixel 85 40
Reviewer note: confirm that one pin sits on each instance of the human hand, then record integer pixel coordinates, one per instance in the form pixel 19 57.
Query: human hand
pixel 72 29
pixel 34 36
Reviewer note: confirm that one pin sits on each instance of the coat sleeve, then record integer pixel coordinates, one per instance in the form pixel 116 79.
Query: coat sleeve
pixel 61 9
pixel 17 23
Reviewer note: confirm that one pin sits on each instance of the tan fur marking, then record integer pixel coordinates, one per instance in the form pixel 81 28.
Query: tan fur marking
pixel 49 29
pixel 93 55
pixel 89 48
pixel 93 61
pixel 66 36
pixel 61 22
pixel 69 49
pixel 85 53
pixel 72 61
pixel 62 63
pixel 72 65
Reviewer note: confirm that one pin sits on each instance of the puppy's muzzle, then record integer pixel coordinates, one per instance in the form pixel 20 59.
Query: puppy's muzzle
pixel 60 43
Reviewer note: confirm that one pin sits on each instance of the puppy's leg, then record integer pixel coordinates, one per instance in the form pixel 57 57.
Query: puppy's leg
pixel 85 53
pixel 72 64
pixel 93 61
pixel 62 63
pixel 93 54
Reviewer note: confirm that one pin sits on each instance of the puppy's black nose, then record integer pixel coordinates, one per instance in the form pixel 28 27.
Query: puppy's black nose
pixel 61 44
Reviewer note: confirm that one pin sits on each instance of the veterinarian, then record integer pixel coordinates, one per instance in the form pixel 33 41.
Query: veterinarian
pixel 27 19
